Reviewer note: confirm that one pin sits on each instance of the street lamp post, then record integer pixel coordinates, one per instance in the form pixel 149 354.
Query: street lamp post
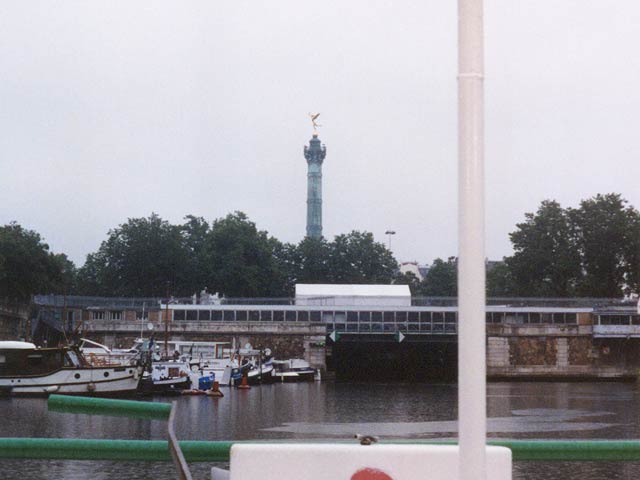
pixel 389 233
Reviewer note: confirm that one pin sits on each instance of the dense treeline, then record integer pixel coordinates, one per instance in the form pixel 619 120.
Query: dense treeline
pixel 151 257
pixel 592 250
pixel 589 251
pixel 27 266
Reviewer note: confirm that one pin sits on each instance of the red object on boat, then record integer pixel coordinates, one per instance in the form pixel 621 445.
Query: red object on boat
pixel 370 474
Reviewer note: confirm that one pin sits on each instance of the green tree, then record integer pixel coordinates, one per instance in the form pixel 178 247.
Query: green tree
pixel 285 268
pixel 195 234
pixel 499 281
pixel 546 262
pixel 241 256
pixel 410 279
pixel 606 231
pixel 143 257
pixel 441 279
pixel 27 267
pixel 357 258
pixel 311 261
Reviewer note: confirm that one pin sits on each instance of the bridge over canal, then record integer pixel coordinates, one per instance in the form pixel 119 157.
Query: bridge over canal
pixel 385 342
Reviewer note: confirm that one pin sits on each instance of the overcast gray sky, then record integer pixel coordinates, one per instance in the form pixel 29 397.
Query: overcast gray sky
pixel 117 109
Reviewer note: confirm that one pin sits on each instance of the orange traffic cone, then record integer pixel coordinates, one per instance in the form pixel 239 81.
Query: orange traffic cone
pixel 244 384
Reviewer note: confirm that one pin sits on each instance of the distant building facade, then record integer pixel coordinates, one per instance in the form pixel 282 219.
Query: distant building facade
pixel 413 267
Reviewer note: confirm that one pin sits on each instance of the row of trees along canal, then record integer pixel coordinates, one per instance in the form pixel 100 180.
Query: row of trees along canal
pixel 592 250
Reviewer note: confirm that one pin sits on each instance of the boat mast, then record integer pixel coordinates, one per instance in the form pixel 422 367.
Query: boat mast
pixel 471 267
pixel 142 321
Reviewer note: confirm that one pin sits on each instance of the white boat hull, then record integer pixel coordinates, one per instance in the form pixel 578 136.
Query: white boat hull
pixel 75 381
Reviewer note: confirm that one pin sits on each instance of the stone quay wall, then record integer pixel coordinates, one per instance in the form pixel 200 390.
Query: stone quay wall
pixel 563 352
pixel 286 339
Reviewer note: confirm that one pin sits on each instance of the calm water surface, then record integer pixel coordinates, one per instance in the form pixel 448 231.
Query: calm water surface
pixel 337 411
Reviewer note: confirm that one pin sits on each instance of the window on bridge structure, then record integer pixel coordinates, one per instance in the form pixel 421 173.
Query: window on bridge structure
pixel 546 318
pixel 401 327
pixel 352 317
pixel 498 317
pixel 620 320
pixel 365 317
pixel 376 316
pixel 450 327
pixel 178 315
pixel 450 317
pixel 229 315
pixel 570 318
pixel 315 317
pixel 389 327
pixel 534 317
pixel 278 316
pixel 303 316
pixel 376 327
pixel 425 317
pixel 290 315
pixel 515 318
pixel 437 328
pixel 558 318
pixel 265 316
pixel 352 327
pixel 635 319
pixel 216 315
pixel 329 328
pixel 254 315
pixel 488 318
pixel 340 317
pixel 388 317
pixel 425 327
pixel 327 317
pixel 401 317
pixel 414 327
pixel 204 315
pixel 437 317
pixel 192 315
pixel 364 327
pixel 414 317
pixel 340 327
pixel 241 315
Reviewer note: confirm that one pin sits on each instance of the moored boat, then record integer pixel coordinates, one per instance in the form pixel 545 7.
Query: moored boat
pixel 28 370
pixel 293 370
pixel 261 373
pixel 167 377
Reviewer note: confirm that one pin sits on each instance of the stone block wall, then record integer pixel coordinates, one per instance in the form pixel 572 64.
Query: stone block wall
pixel 283 346
pixel 563 357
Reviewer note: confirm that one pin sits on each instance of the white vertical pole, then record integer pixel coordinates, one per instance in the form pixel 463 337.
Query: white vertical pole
pixel 471 268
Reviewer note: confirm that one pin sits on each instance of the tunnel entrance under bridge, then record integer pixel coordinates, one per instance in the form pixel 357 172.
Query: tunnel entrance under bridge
pixel 378 358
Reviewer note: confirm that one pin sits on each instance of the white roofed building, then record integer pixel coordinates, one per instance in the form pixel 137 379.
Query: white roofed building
pixel 352 295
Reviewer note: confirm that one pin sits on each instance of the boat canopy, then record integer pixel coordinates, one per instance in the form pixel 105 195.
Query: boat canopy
pixel 10 344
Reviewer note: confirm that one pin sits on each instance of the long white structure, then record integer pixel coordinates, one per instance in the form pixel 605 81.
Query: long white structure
pixel 472 416
pixel 353 295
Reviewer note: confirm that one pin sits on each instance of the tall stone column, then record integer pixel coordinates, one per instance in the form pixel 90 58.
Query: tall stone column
pixel 314 153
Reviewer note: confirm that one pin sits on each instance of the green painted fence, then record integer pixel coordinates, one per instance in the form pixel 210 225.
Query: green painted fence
pixel 207 451
pixel 104 406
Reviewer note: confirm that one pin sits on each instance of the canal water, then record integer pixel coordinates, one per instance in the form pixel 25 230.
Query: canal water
pixel 338 411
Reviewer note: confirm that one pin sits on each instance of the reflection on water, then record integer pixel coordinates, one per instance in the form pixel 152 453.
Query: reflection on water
pixel 337 411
